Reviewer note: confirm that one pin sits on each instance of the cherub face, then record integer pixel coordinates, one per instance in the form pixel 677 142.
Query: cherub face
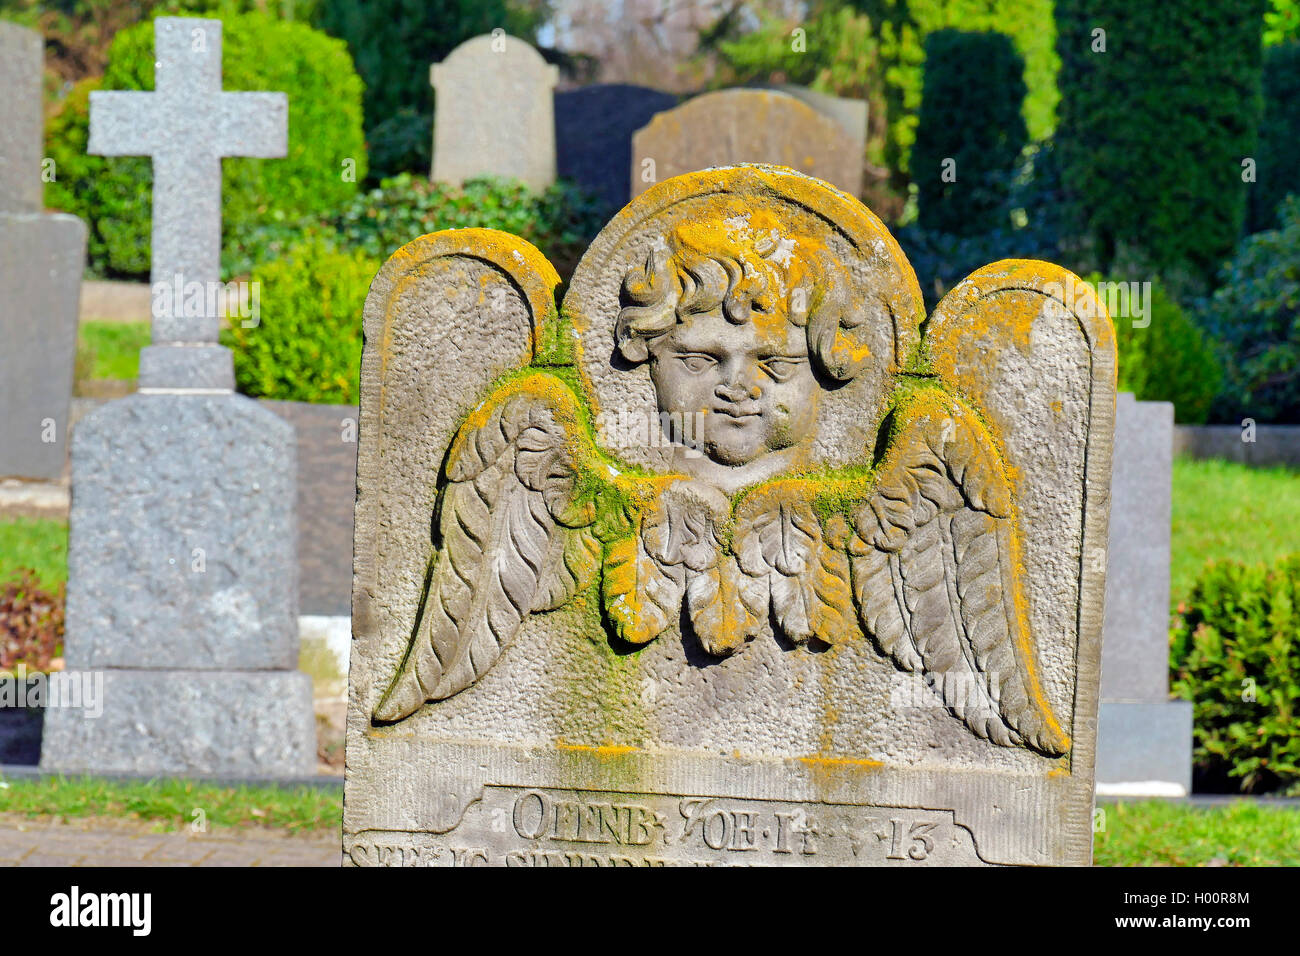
pixel 752 381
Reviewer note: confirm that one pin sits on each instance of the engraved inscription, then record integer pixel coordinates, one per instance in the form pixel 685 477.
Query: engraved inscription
pixel 543 826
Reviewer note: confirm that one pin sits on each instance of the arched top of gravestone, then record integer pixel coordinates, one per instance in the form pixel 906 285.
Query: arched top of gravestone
pixel 821 252
pixel 727 127
pixel 493 48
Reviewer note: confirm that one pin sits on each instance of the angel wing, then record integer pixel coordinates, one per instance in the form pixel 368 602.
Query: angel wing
pixel 514 535
pixel 925 551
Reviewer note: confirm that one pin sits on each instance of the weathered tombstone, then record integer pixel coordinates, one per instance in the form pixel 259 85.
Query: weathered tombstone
pixel 1144 739
pixel 41 261
pixel 182 568
pixel 669 611
pixel 493 112
pixel 593 134
pixel 745 126
pixel 850 114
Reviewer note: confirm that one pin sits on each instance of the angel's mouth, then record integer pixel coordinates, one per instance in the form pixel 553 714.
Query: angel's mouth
pixel 740 413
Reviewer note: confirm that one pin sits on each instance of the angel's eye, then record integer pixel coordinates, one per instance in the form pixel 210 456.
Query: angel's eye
pixel 696 362
pixel 783 369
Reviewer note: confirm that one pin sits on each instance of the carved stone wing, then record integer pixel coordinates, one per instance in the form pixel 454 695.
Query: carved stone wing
pixel 513 533
pixel 937 578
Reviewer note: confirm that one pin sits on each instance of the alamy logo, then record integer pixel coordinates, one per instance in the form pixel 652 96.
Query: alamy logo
pixel 74 908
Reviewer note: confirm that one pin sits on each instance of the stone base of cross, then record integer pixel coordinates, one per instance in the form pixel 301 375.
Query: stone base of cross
pixel 186 126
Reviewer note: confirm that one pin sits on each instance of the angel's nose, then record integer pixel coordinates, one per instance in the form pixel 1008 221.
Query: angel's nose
pixel 738 384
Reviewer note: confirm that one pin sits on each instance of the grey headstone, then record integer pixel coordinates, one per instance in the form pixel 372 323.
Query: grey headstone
pixel 1149 737
pixel 850 114
pixel 22 60
pixel 575 644
pixel 243 723
pixel 594 126
pixel 493 112
pixel 41 261
pixel 186 125
pixel 745 126
pixel 181 549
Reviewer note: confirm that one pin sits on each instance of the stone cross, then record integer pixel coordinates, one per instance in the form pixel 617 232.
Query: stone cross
pixel 186 126
pixel 21 55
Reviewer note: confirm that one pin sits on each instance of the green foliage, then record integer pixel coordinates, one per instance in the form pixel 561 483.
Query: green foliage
pixel 113 194
pixel 306 344
pixel 112 349
pixel 1170 833
pixel 1235 657
pixel 560 221
pixel 1164 356
pixel 970 133
pixel 1153 131
pixel 394 42
pixel 1278 156
pixel 903 27
pixel 1255 315
pixel 40 544
pixel 1282 22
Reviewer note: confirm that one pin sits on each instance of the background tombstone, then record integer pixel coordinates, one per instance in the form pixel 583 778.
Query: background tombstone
pixel 1144 739
pixel 594 126
pixel 850 114
pixel 494 752
pixel 41 261
pixel 745 126
pixel 493 112
pixel 182 565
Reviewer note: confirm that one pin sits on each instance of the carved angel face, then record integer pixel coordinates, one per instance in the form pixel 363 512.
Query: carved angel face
pixel 751 383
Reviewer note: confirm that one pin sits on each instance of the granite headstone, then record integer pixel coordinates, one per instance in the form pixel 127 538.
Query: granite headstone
pixel 728 564
pixel 493 112
pixel 745 126
pixel 182 564
pixel 41 261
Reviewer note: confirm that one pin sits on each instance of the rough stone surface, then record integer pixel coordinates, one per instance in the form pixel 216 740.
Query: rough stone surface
pixel 594 126
pixel 614 649
pixel 22 59
pixel 186 125
pixel 327 491
pixel 745 126
pixel 848 113
pixel 494 114
pixel 251 723
pixel 197 366
pixel 181 547
pixel 41 258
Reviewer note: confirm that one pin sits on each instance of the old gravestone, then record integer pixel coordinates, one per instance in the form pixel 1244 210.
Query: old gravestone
pixel 745 126
pixel 849 113
pixel 41 261
pixel 666 613
pixel 493 112
pixel 182 572
pixel 1144 739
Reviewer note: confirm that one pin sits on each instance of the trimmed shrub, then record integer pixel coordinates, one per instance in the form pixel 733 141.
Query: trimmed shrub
pixel 1255 316
pixel 1153 130
pixel 307 345
pixel 1278 172
pixel 327 156
pixel 971 131
pixel 560 221
pixel 1236 658
pixel 31 623
pixel 1170 359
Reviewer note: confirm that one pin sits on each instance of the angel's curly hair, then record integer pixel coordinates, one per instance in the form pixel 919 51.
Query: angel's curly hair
pixel 747 273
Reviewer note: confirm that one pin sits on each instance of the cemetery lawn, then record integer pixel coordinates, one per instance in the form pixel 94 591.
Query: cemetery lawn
pixel 1227 510
pixel 110 350
pixel 174 804
pixel 1240 833
pixel 37 543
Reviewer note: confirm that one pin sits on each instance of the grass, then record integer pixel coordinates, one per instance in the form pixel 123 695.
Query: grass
pixel 111 350
pixel 1240 833
pixel 37 543
pixel 1228 510
pixel 173 804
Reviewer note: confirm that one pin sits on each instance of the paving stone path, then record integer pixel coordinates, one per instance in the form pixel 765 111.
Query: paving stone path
pixel 108 842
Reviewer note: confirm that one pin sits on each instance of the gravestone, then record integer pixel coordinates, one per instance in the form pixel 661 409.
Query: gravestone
pixel 41 261
pixel 594 126
pixel 850 114
pixel 182 566
pixel 493 112
pixel 628 589
pixel 745 126
pixel 1144 739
